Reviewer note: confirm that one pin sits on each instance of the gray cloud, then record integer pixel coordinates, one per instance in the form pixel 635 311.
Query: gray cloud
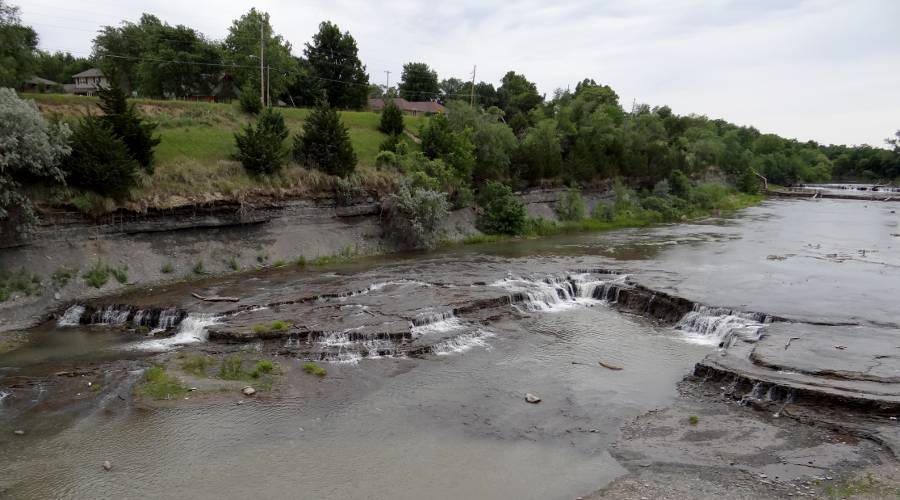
pixel 810 69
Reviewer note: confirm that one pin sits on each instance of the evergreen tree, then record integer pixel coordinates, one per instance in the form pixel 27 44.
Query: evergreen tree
pixel 249 100
pixel 125 123
pixel 333 59
pixel 325 142
pixel 391 119
pixel 99 160
pixel 261 148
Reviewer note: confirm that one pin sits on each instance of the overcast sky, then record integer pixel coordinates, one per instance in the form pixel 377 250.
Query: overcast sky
pixel 826 70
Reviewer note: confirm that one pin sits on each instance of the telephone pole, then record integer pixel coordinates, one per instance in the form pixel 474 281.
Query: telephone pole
pixel 472 98
pixel 268 86
pixel 262 75
pixel 387 82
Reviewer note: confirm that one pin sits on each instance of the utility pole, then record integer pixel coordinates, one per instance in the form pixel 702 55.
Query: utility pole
pixel 268 86
pixel 472 98
pixel 262 75
pixel 387 81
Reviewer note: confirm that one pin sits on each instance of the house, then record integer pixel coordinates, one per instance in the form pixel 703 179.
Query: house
pixel 40 85
pixel 414 108
pixel 87 82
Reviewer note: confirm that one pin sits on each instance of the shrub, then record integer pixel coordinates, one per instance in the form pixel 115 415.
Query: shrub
pixel 197 365
pixel 230 368
pixel 167 269
pixel 415 216
pixel 571 206
pixel 249 100
pixel 262 367
pixel 160 385
pixel 391 119
pixel 19 281
pixel 502 212
pixel 61 277
pixel 301 261
pixel 391 144
pixel 679 184
pixel 39 148
pixel 127 125
pixel 198 268
pixel 261 148
pixel 314 369
pixel 100 161
pixel 748 182
pixel 96 277
pixel 325 142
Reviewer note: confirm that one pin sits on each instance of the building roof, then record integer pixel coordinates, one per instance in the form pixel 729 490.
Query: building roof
pixel 410 106
pixel 88 73
pixel 36 80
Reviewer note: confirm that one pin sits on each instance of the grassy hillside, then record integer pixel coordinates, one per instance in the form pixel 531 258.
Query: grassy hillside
pixel 193 161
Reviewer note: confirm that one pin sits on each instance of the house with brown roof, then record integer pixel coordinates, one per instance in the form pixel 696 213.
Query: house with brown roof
pixel 414 108
pixel 87 82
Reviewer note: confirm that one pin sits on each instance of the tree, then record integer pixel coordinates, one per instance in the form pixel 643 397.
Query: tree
pixel 452 88
pixel 391 119
pixel 325 142
pixel 100 161
pixel 418 82
pixel 416 215
pixel 260 149
pixel 250 100
pixel 59 66
pixel 242 49
pixel 517 95
pixel 18 45
pixel 333 58
pixel 176 61
pixel 502 212
pixel 539 154
pixel 679 184
pixel 439 141
pixel 30 152
pixel 126 124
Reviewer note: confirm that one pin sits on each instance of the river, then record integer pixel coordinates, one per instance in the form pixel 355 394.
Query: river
pixel 427 371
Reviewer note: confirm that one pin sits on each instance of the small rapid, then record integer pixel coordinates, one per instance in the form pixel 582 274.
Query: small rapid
pixel 720 326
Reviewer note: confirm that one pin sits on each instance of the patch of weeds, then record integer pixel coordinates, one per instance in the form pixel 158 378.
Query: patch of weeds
pixel 275 326
pixel 167 268
pixel 346 254
pixel 852 489
pixel 301 261
pixel 197 365
pixel 263 367
pixel 121 274
pixel 19 281
pixel 61 277
pixel 280 263
pixel 97 276
pixel 231 368
pixel 314 369
pixel 198 268
pixel 96 387
pixel 233 264
pixel 693 420
pixel 158 384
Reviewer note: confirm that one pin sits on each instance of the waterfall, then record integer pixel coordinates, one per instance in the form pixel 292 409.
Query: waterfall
pixel 720 326
pixel 557 294
pixel 462 343
pixel 192 329
pixel 72 316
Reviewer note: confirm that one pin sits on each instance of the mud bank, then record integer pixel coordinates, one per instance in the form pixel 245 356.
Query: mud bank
pixel 193 241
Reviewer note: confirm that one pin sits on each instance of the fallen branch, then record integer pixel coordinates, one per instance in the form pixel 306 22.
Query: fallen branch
pixel 214 298
pixel 611 367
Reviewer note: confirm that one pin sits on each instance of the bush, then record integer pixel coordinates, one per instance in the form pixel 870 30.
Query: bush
pixel 249 100
pixel 325 142
pixel 415 216
pixel 502 212
pixel 31 151
pixel 160 385
pixel 96 277
pixel 571 206
pixel 391 119
pixel 748 182
pixel 261 148
pixel 314 369
pixel 231 368
pixel 125 124
pixel 393 144
pixel 679 184
pixel 100 161
pixel 197 365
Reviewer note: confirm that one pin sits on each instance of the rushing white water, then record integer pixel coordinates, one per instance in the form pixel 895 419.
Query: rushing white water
pixel 462 343
pixel 554 294
pixel 191 330
pixel 718 326
pixel 448 324
pixel 72 316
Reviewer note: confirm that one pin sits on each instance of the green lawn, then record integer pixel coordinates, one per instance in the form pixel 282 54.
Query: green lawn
pixel 197 143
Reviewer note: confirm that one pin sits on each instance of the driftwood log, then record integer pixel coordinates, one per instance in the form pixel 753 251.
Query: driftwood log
pixel 214 298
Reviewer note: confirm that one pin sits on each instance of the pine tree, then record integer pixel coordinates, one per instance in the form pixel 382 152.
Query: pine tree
pixel 325 142
pixel 125 123
pixel 99 160
pixel 261 148
pixel 391 119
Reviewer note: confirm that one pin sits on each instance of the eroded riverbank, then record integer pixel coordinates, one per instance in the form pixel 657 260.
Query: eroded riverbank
pixel 429 358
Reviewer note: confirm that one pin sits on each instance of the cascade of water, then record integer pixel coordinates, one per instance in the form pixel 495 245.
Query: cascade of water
pixel 719 326
pixel 192 329
pixel 167 319
pixel 72 316
pixel 462 343
pixel 111 315
pixel 557 294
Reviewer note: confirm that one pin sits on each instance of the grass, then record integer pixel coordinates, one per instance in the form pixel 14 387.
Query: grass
pixel 194 157
pixel 61 277
pixel 301 261
pixel 233 264
pixel 197 365
pixel 22 281
pixel 346 254
pixel 158 384
pixel 167 269
pixel 868 486
pixel 198 268
pixel 314 369
pixel 693 420
pixel 275 326
pixel 99 275
pixel 232 369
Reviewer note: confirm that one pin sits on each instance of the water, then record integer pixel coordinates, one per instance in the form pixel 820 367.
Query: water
pixel 429 358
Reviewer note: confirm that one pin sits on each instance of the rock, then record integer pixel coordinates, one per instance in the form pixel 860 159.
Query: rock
pixel 19 432
pixel 107 466
pixel 531 398
pixel 248 391
pixel 57 296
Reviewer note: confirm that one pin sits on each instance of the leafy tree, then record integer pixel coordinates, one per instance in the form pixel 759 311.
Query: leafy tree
pixel 18 45
pixel 100 161
pixel 418 82
pixel 494 144
pixel 502 212
pixel 261 148
pixel 747 182
pixel 176 61
pixel 305 89
pixel 30 152
pixel 333 58
pixel 416 216
pixel 242 49
pixel 127 42
pixel 539 154
pixel 59 66
pixel 571 206
pixel 454 148
pixel 250 100
pixel 126 124
pixel 517 95
pixel 325 142
pixel 452 88
pixel 679 184
pixel 391 119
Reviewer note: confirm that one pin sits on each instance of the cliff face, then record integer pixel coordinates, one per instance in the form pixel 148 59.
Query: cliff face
pixel 191 241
